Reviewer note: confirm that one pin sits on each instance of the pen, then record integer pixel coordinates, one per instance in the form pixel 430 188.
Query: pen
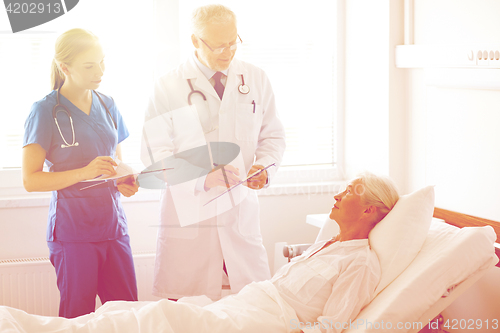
pixel 253 102
pixel 241 182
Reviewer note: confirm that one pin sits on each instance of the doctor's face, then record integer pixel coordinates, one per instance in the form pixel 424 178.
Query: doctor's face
pixel 216 36
pixel 348 207
pixel 87 69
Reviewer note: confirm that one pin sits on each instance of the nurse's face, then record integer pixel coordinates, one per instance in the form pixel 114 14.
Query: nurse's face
pixel 87 69
pixel 216 36
pixel 348 208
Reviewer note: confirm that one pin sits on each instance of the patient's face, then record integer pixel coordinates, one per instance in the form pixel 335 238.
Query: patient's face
pixel 348 208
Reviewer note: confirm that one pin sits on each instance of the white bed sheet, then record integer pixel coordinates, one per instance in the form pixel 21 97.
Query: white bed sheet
pixel 257 308
pixel 448 256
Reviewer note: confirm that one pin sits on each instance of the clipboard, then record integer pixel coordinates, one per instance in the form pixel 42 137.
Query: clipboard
pixel 241 182
pixel 105 180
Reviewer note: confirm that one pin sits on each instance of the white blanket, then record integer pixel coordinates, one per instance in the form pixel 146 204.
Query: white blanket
pixel 256 308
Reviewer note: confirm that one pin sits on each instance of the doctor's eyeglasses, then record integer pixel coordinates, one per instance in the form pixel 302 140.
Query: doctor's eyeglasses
pixel 231 47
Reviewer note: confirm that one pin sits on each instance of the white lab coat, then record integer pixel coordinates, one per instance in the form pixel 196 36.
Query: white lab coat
pixel 189 259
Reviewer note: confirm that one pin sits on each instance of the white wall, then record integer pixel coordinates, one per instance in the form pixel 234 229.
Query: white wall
pixel 454 136
pixel 453 133
pixel 420 134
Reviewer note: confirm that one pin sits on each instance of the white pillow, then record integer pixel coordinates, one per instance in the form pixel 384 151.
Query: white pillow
pixel 399 236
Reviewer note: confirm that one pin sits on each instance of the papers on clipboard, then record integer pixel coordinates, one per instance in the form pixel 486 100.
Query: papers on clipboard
pixel 241 182
pixel 122 171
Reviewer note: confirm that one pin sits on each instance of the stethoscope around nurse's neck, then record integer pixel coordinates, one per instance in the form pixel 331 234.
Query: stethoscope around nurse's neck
pixel 59 107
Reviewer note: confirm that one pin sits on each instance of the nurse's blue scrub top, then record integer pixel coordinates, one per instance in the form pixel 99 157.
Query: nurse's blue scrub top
pixel 91 215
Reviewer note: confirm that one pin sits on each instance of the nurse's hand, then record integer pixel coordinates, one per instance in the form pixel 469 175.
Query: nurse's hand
pixel 127 186
pixel 216 177
pixel 101 165
pixel 258 181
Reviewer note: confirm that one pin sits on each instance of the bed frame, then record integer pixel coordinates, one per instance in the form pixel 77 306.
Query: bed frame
pixel 463 220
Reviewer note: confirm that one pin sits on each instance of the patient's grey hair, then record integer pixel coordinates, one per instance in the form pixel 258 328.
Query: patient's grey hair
pixel 378 191
pixel 205 15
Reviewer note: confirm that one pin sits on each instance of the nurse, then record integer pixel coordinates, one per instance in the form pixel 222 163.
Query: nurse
pixel 87 232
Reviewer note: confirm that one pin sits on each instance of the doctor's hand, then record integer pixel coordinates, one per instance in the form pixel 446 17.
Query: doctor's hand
pixel 101 165
pixel 216 177
pixel 258 181
pixel 127 185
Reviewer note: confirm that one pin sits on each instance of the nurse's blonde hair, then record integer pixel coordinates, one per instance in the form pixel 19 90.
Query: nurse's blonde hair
pixel 205 15
pixel 378 191
pixel 68 46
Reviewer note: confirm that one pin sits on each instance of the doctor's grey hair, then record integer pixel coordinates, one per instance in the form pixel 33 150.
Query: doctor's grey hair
pixel 378 191
pixel 68 46
pixel 203 16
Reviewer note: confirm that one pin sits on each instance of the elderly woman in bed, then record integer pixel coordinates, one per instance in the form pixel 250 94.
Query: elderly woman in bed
pixel 320 291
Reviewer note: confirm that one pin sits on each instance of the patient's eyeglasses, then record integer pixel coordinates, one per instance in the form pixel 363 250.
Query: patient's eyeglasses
pixel 219 50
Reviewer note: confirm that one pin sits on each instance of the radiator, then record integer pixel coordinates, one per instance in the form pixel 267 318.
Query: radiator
pixel 30 284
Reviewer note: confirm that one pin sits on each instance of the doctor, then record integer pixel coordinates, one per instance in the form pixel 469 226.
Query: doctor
pixel 76 131
pixel 212 97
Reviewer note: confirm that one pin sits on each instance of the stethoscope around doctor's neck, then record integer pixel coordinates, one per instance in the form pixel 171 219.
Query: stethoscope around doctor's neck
pixel 59 107
pixel 242 88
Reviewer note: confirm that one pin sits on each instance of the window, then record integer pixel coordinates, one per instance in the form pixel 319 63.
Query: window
pixel 295 44
pixel 25 68
pixel 25 60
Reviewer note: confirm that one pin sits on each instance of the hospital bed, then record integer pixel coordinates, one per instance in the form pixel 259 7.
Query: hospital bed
pixel 429 256
pixel 425 265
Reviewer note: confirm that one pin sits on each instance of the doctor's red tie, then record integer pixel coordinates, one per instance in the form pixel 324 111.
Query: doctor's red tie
pixel 219 87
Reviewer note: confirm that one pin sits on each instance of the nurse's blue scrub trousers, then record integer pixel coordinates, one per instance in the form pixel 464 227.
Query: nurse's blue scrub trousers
pixel 85 269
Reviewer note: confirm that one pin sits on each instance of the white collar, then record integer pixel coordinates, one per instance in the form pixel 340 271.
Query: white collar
pixel 207 71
